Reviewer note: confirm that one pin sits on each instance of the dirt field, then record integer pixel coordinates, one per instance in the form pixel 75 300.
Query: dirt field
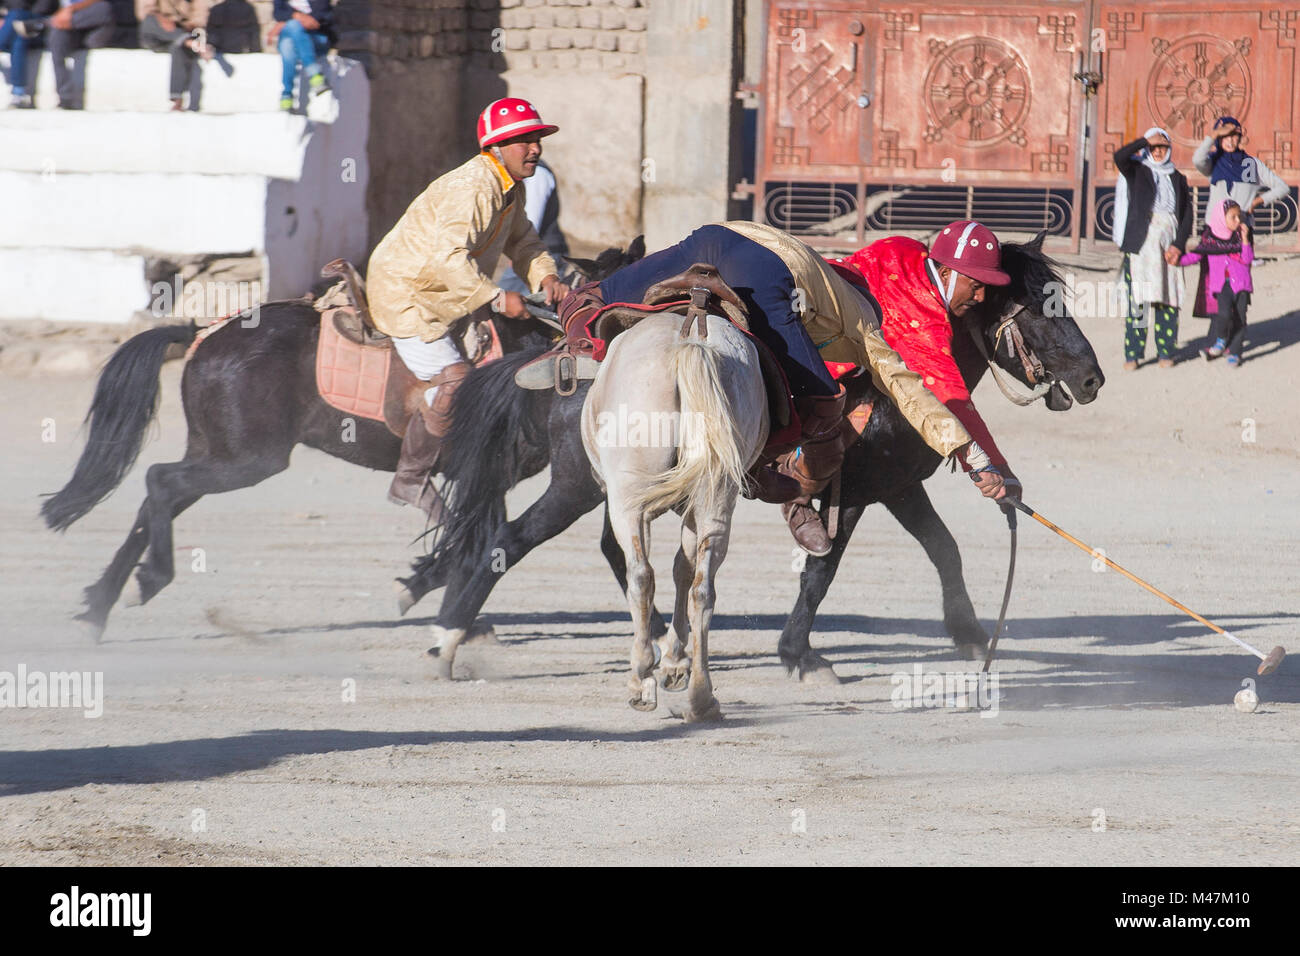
pixel 226 737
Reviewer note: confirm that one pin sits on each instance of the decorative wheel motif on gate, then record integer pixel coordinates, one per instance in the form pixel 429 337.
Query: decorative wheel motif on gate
pixel 976 91
pixel 1195 80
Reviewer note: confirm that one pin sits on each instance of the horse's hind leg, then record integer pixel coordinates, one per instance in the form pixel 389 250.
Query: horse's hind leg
pixel 674 664
pixel 609 547
pixel 175 486
pixel 915 512
pixel 103 594
pixel 633 533
pixel 712 536
pixel 796 653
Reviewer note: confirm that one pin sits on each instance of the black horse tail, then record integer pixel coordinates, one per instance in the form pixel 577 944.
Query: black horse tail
pixel 497 438
pixel 125 402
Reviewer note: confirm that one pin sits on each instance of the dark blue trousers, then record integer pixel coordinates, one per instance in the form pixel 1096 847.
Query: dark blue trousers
pixel 761 280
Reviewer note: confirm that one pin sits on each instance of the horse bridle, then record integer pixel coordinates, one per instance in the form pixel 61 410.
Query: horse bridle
pixel 1038 377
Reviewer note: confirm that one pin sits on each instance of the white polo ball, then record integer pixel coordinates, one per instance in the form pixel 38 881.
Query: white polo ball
pixel 1246 701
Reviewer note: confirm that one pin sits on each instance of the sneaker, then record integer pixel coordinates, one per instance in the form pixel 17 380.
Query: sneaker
pixel 317 84
pixel 22 101
pixel 1234 361
pixel 286 103
pixel 29 29
pixel 1215 350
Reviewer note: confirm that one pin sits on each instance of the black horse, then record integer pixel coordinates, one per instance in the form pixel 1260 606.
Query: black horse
pixel 503 434
pixel 250 397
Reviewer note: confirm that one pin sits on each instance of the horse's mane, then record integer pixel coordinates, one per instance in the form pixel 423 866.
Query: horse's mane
pixel 1033 273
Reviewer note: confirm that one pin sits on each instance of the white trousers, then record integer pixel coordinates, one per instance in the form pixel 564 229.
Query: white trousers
pixel 427 359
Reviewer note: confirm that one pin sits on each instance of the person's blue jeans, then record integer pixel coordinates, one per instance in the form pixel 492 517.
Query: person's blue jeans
pixel 758 276
pixel 299 47
pixel 16 47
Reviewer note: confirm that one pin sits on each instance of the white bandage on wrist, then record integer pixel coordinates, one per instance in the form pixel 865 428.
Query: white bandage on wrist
pixel 977 458
pixel 499 302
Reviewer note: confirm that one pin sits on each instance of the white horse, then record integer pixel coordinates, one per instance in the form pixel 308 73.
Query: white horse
pixel 674 422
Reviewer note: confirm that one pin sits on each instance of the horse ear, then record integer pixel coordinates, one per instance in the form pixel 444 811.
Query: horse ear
pixel 636 249
pixel 588 267
pixel 1036 243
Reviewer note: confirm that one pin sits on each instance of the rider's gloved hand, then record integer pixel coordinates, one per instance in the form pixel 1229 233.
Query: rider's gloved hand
pixel 510 304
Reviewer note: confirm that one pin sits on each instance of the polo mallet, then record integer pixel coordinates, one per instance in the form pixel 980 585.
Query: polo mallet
pixel 1269 662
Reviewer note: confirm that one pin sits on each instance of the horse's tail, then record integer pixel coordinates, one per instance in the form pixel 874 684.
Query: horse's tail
pixel 492 441
pixel 125 402
pixel 710 463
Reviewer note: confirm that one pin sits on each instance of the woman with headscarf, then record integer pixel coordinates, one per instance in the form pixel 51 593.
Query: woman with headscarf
pixel 1157 221
pixel 1235 174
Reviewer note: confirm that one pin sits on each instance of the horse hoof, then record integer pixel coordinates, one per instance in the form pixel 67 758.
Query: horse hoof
pixel 444 652
pixel 481 634
pixel 968 651
pixel 405 599
pixel 815 669
pixel 711 713
pixel 443 668
pixel 675 677
pixel 647 697
pixel 132 592
pixel 90 629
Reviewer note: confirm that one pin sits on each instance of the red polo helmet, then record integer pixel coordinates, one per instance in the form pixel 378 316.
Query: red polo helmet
pixel 969 247
pixel 509 117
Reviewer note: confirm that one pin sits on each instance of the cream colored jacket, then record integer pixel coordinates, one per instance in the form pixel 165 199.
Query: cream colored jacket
pixel 436 264
pixel 844 328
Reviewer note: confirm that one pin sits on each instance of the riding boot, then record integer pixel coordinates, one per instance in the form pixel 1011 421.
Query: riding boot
pixel 813 464
pixel 572 360
pixel 412 484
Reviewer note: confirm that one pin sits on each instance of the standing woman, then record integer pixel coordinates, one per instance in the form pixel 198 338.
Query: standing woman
pixel 1235 174
pixel 1157 223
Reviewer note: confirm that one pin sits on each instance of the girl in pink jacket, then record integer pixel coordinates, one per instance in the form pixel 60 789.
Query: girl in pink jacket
pixel 1225 247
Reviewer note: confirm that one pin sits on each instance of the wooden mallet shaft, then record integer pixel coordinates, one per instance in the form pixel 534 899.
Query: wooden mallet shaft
pixel 1269 662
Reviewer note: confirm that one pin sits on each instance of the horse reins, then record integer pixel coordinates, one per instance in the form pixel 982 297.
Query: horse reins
pixel 1037 376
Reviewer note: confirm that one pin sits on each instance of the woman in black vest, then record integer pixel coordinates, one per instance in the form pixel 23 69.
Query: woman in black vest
pixel 1156 227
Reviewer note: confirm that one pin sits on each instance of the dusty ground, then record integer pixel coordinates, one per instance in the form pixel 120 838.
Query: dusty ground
pixel 225 737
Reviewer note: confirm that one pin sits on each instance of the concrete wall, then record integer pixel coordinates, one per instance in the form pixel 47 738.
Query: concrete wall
pixel 691 74
pixel 434 65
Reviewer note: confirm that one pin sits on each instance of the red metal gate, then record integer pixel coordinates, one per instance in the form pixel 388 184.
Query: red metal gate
pixel 906 116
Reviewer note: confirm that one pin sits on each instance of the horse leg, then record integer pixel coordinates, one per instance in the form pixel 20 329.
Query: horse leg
pixel 800 660
pixel 172 488
pixel 632 529
pixel 468 586
pixel 103 594
pixel 618 564
pixel 711 548
pixel 915 512
pixel 674 664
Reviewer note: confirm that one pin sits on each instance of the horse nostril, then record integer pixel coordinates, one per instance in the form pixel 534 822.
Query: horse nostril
pixel 1090 385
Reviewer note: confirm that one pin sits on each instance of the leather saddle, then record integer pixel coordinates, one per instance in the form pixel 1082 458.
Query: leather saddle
pixel 357 368
pixel 696 293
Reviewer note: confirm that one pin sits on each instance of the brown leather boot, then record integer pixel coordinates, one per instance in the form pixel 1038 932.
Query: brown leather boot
pixel 813 464
pixel 412 484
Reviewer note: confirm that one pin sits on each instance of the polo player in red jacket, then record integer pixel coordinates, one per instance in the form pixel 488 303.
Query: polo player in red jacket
pixel 922 295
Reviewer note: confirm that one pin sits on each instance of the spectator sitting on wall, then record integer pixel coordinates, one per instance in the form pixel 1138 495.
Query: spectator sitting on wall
pixel 172 26
pixel 542 206
pixel 1235 174
pixel 233 27
pixel 303 32
pixel 77 25
pixel 15 40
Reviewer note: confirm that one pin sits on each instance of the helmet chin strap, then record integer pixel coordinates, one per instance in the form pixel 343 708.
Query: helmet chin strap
pixel 945 293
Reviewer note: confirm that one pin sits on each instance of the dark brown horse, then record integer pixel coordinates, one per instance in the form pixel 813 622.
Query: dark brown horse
pixel 250 397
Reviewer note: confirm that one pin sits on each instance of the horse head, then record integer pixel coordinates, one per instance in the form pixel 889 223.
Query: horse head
pixel 1028 332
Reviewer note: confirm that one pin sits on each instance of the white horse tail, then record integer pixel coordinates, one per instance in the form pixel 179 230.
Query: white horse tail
pixel 710 463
